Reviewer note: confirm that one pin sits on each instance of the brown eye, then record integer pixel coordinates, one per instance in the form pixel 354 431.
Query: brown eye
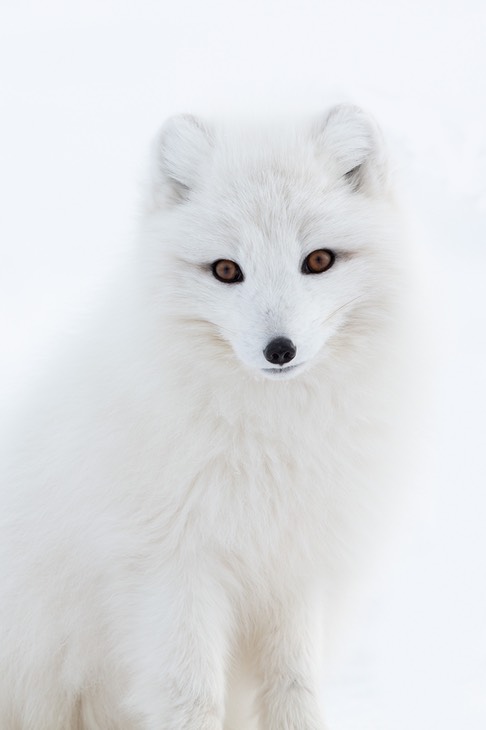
pixel 227 271
pixel 318 261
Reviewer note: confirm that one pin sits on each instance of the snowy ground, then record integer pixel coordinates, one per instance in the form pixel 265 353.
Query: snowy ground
pixel 85 84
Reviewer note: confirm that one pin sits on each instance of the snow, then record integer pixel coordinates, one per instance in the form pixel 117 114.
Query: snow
pixel 84 87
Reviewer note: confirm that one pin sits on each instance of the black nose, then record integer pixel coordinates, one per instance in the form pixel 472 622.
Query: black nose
pixel 279 351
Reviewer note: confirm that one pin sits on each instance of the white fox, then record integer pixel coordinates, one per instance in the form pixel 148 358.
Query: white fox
pixel 190 492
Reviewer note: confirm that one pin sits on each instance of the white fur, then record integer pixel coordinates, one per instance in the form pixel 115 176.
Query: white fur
pixel 177 521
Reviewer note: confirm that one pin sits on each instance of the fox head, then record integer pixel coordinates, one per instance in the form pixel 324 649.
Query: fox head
pixel 277 242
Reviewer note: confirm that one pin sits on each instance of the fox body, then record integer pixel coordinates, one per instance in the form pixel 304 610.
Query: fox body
pixel 189 494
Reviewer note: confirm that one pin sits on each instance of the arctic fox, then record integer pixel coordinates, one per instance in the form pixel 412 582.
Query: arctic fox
pixel 192 489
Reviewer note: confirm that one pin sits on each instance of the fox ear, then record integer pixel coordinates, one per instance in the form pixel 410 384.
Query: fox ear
pixel 180 150
pixel 352 145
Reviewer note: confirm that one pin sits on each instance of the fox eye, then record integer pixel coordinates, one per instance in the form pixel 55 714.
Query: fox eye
pixel 318 261
pixel 227 271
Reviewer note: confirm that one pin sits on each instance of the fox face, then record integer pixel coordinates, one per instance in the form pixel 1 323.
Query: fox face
pixel 278 242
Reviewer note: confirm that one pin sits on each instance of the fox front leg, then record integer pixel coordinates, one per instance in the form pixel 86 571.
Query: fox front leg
pixel 180 659
pixel 289 661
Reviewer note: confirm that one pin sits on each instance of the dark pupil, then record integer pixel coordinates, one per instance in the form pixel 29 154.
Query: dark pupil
pixel 227 271
pixel 318 261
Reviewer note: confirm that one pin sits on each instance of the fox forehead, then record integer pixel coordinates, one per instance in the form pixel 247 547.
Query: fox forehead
pixel 276 202
pixel 278 216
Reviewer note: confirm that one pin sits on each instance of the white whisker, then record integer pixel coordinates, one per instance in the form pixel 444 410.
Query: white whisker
pixel 346 304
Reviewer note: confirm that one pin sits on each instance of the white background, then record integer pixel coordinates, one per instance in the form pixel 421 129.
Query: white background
pixel 84 85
